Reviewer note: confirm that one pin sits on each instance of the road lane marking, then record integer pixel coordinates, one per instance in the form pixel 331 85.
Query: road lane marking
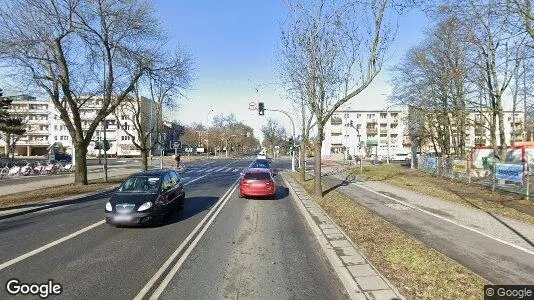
pixel 173 256
pixel 50 245
pixel 174 270
pixel 180 248
pixel 448 220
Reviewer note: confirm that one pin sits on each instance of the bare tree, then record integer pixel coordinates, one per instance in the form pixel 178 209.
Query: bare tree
pixel 164 82
pixel 338 49
pixel 73 50
pixel 273 135
pixel 524 10
pixel 433 79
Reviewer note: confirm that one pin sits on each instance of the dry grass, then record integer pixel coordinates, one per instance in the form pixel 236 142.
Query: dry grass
pixel 498 203
pixel 56 192
pixel 418 271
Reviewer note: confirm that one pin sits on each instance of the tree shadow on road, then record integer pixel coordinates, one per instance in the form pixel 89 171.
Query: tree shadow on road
pixel 193 206
pixel 497 218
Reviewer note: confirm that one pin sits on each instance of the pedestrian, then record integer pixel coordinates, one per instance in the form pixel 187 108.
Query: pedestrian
pixel 177 158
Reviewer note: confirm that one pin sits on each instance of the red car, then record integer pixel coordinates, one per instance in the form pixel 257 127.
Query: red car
pixel 257 183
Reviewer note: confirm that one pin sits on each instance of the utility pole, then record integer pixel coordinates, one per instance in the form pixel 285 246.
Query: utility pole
pixel 293 143
pixel 105 153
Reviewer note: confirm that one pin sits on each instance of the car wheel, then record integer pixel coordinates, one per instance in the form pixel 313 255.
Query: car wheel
pixel 181 202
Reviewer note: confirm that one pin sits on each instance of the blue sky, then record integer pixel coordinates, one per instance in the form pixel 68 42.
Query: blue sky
pixel 234 44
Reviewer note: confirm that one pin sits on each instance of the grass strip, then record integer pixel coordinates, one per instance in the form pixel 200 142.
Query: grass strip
pixel 472 195
pixel 418 271
pixel 56 192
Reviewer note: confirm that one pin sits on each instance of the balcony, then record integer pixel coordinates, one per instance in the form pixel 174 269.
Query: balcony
pixel 336 121
pixel 480 121
pixel 371 121
pixel 371 130
pixel 39 122
pixel 335 133
pixel 37 132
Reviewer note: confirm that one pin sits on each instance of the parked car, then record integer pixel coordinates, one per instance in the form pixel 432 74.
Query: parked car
pixel 146 198
pixel 402 157
pixel 257 182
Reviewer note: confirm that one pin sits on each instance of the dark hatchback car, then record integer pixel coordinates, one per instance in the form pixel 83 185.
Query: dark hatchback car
pixel 261 164
pixel 146 198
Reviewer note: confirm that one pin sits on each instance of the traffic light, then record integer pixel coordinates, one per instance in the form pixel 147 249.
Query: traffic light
pixel 261 108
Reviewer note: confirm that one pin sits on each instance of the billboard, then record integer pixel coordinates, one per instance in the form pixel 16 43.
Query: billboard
pixel 509 172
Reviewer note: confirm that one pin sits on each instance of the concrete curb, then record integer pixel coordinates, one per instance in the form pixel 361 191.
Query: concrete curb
pixel 358 275
pixel 18 210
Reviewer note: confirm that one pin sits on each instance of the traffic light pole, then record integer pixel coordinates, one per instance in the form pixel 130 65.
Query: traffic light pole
pixel 293 144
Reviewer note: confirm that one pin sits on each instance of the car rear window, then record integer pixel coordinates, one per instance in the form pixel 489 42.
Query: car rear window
pixel 260 165
pixel 140 184
pixel 257 176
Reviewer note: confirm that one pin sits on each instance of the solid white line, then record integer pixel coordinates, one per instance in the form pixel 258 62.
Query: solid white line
pixel 448 220
pixel 173 256
pixel 50 245
pixel 178 264
pixel 196 179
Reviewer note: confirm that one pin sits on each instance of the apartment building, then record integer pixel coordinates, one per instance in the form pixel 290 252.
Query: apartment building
pixel 36 115
pixel 364 132
pixel 45 127
pixel 477 133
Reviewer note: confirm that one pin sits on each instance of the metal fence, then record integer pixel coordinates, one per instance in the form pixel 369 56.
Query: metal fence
pixel 511 177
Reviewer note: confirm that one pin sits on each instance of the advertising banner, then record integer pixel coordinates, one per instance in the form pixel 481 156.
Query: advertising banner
pixel 459 166
pixel 432 163
pixel 509 172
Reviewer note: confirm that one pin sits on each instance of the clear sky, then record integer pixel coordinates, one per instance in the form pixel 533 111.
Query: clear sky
pixel 234 44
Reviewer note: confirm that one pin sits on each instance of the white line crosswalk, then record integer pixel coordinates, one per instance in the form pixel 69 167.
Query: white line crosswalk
pixel 197 170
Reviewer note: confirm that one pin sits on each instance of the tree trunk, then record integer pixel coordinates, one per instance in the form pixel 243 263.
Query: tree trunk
pixel 317 184
pixel 80 168
pixel 144 159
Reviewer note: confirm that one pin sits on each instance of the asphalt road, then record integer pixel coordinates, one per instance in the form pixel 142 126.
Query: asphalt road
pixel 220 246
pixel 495 261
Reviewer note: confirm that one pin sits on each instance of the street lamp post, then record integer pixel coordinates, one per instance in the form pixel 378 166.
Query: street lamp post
pixel 388 135
pixel 207 131
pixel 293 128
pixel 105 153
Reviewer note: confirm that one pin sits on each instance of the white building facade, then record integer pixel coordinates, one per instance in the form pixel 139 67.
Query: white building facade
pixel 45 128
pixel 364 132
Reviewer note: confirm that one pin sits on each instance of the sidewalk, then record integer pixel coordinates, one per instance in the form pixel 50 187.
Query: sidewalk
pixel 516 233
pixel 19 187
pixel 94 172
pixel 358 275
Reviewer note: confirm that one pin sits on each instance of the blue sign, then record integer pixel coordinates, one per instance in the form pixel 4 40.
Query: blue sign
pixel 509 172
pixel 431 163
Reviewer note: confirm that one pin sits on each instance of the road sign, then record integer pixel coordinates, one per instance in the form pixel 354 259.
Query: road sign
pixel 177 144
pixel 252 106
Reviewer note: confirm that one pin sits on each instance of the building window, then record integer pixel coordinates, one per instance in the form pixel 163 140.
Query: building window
pixel 124 117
